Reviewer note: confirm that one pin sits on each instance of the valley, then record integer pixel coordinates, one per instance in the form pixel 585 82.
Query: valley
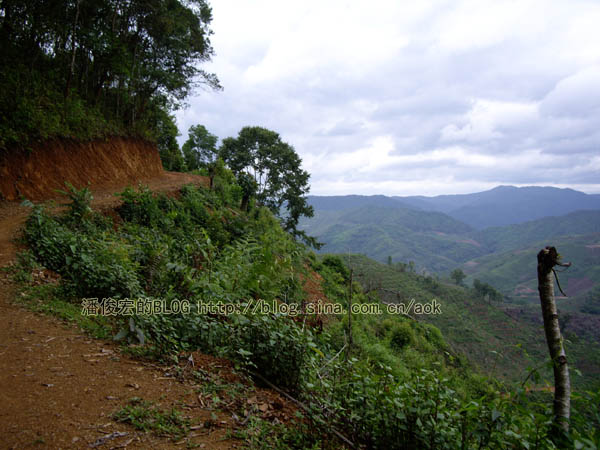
pixel 411 245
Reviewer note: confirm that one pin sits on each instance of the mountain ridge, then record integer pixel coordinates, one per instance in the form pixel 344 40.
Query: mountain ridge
pixel 502 205
pixel 382 227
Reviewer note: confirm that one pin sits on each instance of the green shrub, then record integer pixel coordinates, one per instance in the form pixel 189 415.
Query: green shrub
pixel 80 202
pixel 336 264
pixel 401 335
pixel 91 266
pixel 434 336
pixel 275 347
pixel 271 345
pixel 141 207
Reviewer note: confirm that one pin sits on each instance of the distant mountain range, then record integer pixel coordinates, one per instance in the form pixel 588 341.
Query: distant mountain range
pixel 506 205
pixel 442 233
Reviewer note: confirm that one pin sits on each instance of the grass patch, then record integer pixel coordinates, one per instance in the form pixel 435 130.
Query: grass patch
pixel 47 299
pixel 218 391
pixel 144 416
pixel 260 434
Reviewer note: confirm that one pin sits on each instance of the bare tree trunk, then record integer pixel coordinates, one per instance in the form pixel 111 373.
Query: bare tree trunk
pixel 350 342
pixel 547 259
pixel 245 200
pixel 350 310
pixel 73 50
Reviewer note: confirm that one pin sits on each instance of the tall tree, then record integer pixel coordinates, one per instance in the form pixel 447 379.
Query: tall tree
pixel 281 184
pixel 486 291
pixel 165 133
pixel 458 276
pixel 200 149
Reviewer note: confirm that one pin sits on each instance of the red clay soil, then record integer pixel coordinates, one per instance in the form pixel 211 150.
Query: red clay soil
pixel 312 286
pixel 36 174
pixel 59 388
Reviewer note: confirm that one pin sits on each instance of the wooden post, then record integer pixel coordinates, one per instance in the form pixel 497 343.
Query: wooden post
pixel 547 259
pixel 350 311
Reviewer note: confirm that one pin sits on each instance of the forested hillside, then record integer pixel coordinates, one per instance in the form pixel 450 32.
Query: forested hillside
pixel 430 240
pixel 511 271
pixel 493 335
pixel 496 239
pixel 84 70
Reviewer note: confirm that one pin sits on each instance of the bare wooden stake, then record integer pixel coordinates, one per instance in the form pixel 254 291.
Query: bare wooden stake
pixel 547 259
pixel 350 311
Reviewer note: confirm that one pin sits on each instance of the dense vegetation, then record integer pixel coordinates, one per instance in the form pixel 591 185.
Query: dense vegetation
pixel 268 171
pixel 274 168
pixel 476 323
pixel 85 69
pixel 383 381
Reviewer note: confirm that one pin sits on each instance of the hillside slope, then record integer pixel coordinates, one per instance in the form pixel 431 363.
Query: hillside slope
pixel 430 239
pixel 501 341
pixel 498 239
pixel 513 274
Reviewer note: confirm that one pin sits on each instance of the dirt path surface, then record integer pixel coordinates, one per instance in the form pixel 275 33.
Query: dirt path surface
pixel 59 388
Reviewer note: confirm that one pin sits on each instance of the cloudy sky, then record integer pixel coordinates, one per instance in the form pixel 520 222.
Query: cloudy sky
pixel 413 97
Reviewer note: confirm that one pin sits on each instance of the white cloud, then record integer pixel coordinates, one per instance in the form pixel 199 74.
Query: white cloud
pixel 427 97
pixel 576 95
pixel 489 120
pixel 475 24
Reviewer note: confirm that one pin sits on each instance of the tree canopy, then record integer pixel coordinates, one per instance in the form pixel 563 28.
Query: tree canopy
pixel 458 276
pixel 85 68
pixel 281 184
pixel 486 291
pixel 200 149
pixel 166 139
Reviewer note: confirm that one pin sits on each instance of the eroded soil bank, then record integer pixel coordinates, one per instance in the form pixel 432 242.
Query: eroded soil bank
pixel 37 174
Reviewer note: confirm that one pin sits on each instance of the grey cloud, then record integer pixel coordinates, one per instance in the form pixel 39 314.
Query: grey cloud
pixel 342 128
